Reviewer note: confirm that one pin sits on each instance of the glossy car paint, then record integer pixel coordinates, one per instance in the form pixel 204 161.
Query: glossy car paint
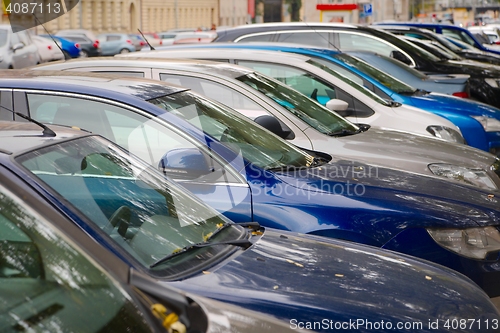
pixel 205 313
pixel 417 57
pixel 470 52
pixel 343 199
pixel 299 279
pixel 448 29
pixel 455 110
pixel 384 148
pixel 389 117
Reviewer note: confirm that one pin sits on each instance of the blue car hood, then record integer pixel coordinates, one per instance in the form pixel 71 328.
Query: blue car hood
pixel 462 106
pixel 381 188
pixel 306 278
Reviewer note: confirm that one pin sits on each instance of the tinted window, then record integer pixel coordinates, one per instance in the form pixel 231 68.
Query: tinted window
pixel 47 285
pixel 315 38
pixel 256 38
pixel 142 136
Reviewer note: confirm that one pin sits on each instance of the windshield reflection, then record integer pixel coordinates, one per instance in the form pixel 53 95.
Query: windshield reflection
pixel 237 132
pixel 312 113
pixel 134 204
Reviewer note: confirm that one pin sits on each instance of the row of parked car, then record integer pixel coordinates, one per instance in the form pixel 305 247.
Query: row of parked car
pixel 307 186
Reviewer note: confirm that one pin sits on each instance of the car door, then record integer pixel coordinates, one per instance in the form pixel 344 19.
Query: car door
pixel 151 139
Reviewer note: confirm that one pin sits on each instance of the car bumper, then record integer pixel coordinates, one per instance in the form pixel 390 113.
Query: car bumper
pixel 417 242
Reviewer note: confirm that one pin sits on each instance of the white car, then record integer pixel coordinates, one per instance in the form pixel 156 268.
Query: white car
pixel 360 104
pixel 47 49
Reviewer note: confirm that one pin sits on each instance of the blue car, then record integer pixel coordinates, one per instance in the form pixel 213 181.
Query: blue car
pixel 70 48
pixel 249 174
pixel 478 122
pixel 166 238
pixel 448 30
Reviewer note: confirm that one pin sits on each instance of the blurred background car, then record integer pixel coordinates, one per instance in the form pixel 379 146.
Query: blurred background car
pixel 70 48
pixel 88 42
pixel 114 43
pixel 17 50
pixel 138 41
pixel 48 49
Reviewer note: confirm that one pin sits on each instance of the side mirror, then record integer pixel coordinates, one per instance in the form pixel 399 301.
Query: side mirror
pixel 17 46
pixel 273 125
pixel 336 105
pixel 398 55
pixel 184 163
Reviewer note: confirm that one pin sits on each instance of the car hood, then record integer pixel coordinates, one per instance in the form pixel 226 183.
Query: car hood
pixel 307 278
pixel 400 150
pixel 397 192
pixel 462 105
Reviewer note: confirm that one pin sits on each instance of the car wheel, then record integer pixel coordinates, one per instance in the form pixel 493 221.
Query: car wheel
pixel 122 51
pixel 66 55
pixel 84 54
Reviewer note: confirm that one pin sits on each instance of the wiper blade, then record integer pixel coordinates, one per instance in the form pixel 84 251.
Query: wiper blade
pixel 344 132
pixel 244 243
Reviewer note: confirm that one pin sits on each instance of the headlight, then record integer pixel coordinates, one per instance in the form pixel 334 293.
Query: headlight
pixel 492 82
pixel 446 133
pixel 473 243
pixel 475 177
pixel 489 124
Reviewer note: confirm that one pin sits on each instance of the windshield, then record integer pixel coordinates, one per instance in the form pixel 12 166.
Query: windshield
pixel 447 43
pixel 436 49
pixel 387 80
pixel 402 66
pixel 312 113
pixel 409 47
pixel 239 133
pixel 49 285
pixel 133 203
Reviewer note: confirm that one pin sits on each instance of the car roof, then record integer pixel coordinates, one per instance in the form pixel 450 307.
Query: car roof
pixel 294 24
pixel 200 66
pixel 98 84
pixel 16 137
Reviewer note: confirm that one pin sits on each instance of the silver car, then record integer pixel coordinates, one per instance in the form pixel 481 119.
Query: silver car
pixel 17 50
pixel 306 123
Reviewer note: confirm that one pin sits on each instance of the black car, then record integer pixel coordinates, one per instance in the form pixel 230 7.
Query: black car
pixel 484 78
pixel 424 34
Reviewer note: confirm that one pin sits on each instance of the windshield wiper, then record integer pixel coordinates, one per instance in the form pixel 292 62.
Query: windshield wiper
pixel 344 132
pixel 244 243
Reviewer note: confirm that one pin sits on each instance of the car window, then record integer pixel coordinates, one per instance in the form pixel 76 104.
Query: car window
pixel 134 204
pixel 14 39
pixel 355 42
pixel 315 38
pixel 214 90
pixel 142 136
pixel 460 35
pixel 46 284
pixel 3 36
pixel 295 78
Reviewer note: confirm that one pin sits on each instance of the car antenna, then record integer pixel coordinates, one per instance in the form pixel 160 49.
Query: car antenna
pixel 147 41
pixel 46 131
pixel 50 35
pixel 329 43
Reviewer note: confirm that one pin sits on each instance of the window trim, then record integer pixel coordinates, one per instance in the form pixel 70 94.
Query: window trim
pixel 229 168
